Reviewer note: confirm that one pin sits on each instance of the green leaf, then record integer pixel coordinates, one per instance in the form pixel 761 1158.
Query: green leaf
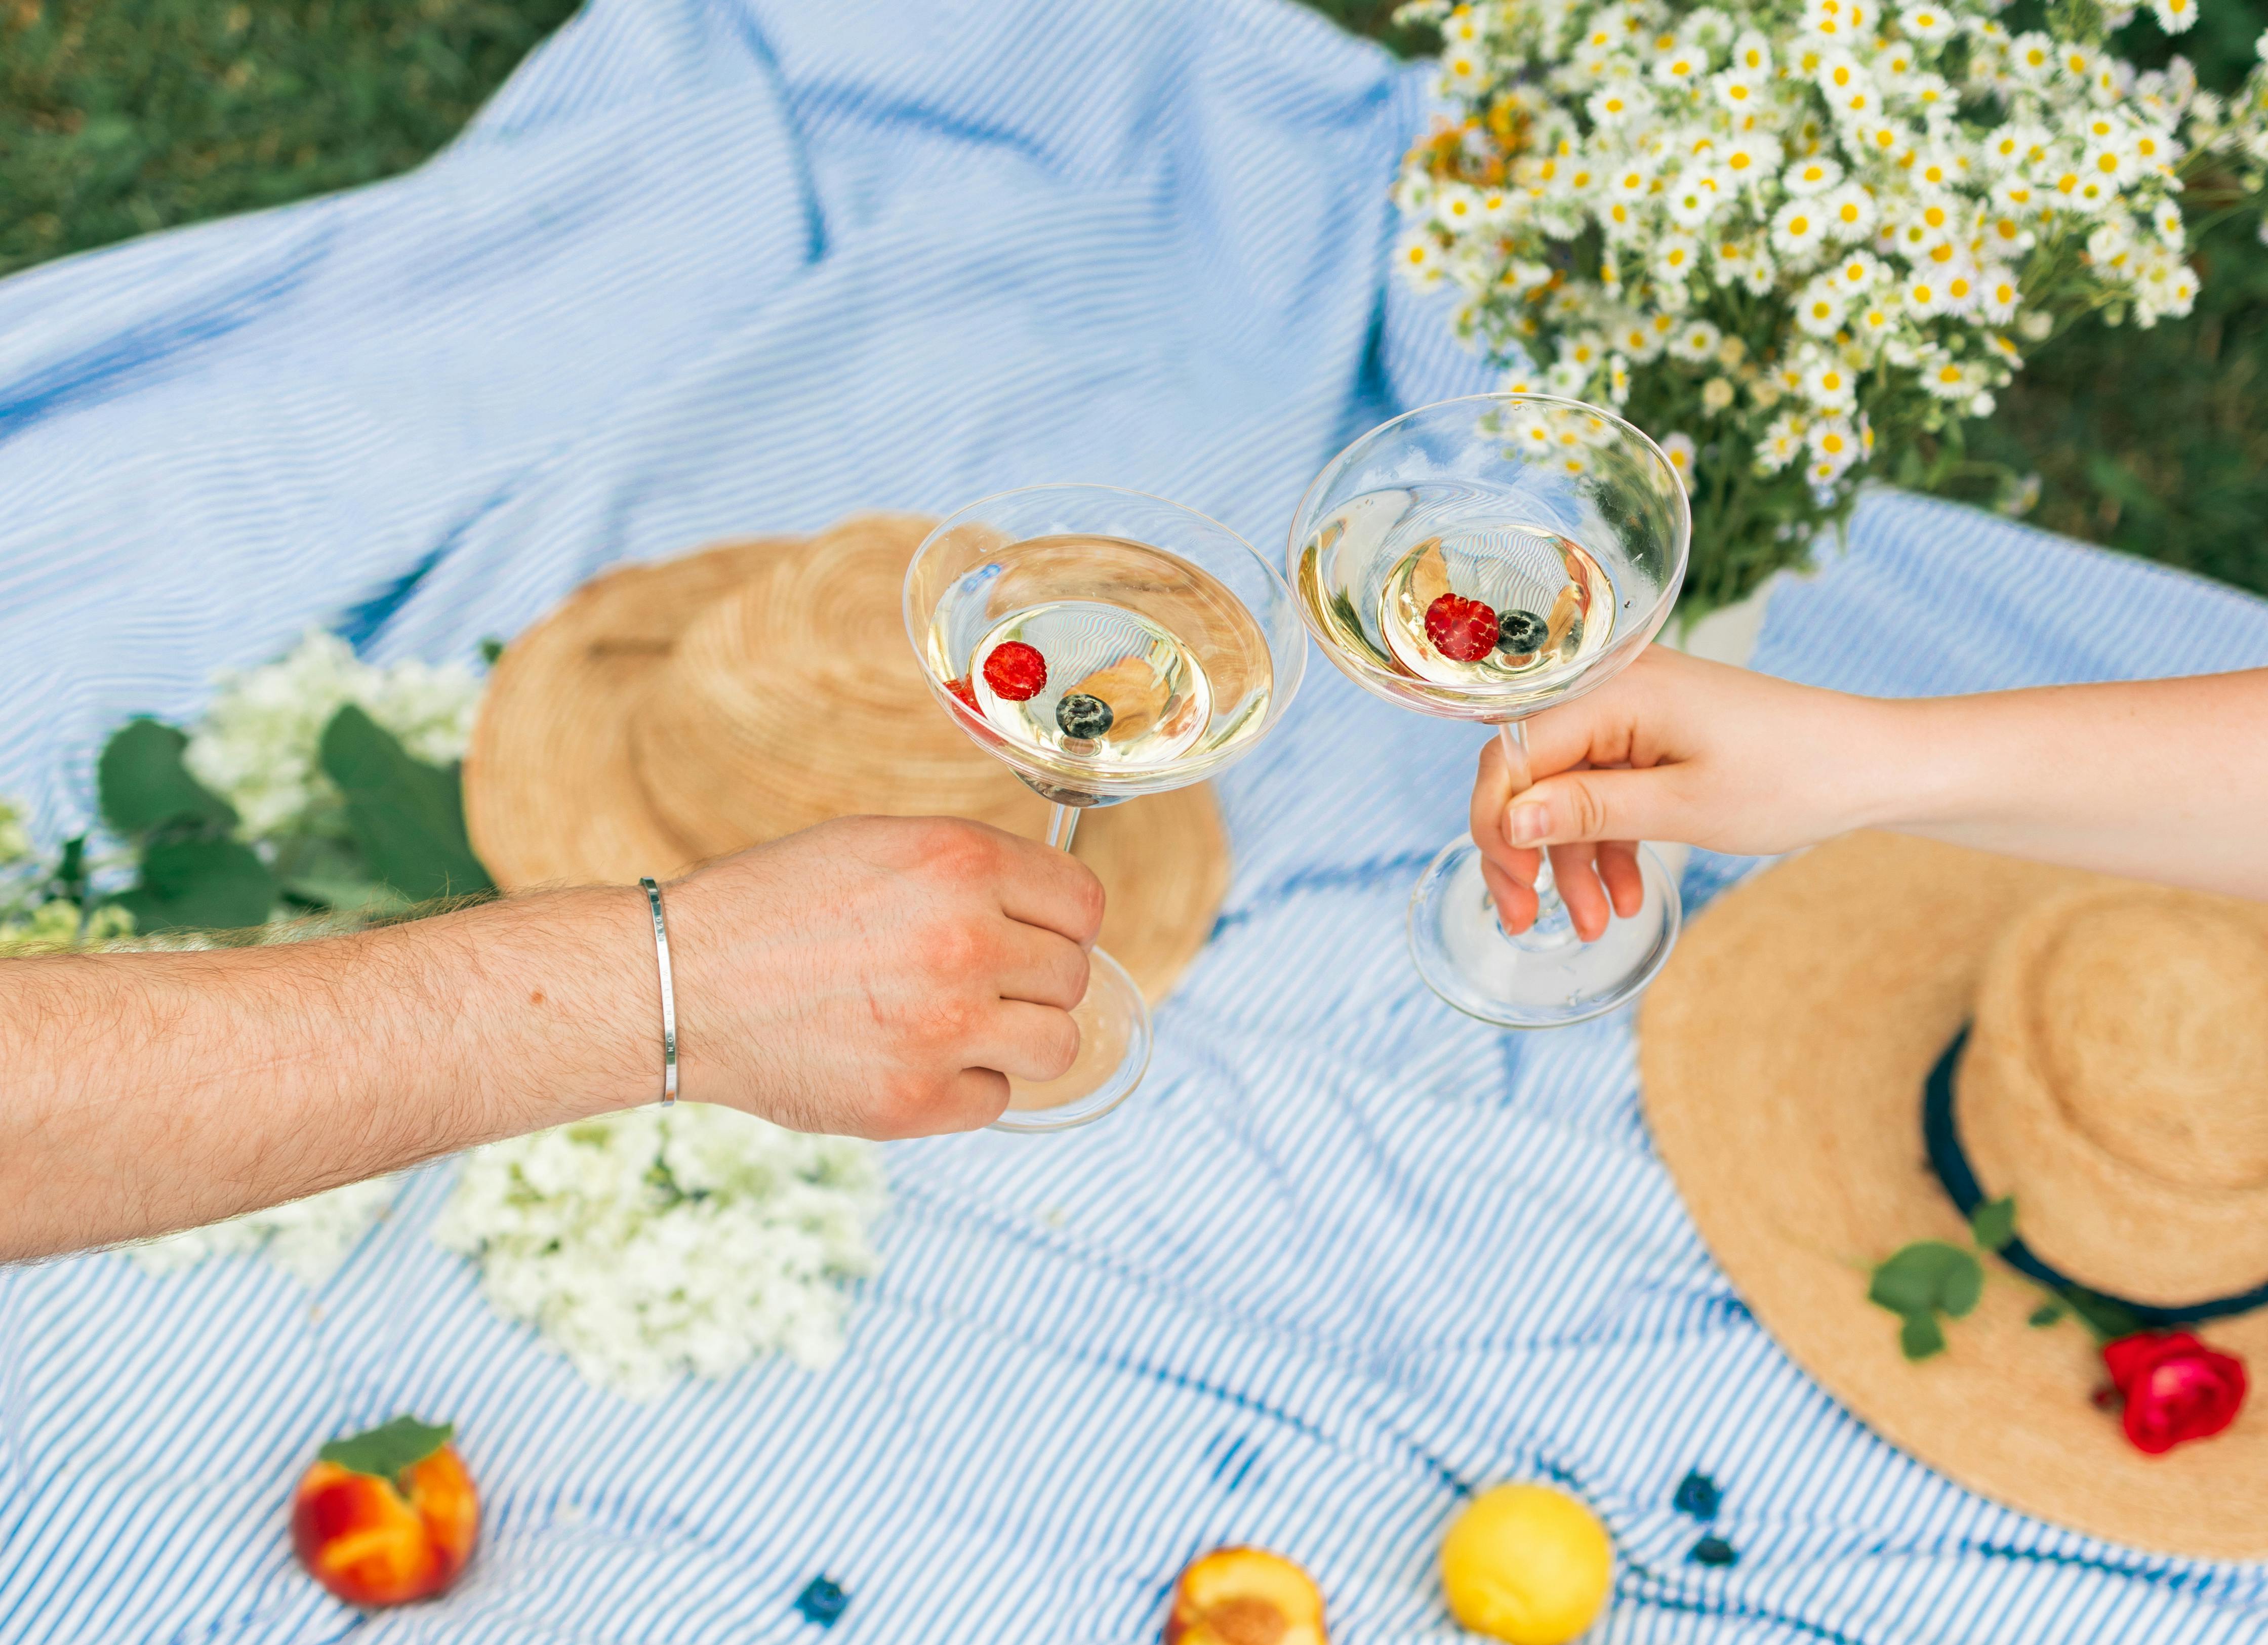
pixel 390 1449
pixel 200 885
pixel 143 784
pixel 2047 1313
pixel 1925 1276
pixel 1920 1337
pixel 408 817
pixel 2108 1320
pixel 1994 1225
pixel 1964 1286
pixel 491 648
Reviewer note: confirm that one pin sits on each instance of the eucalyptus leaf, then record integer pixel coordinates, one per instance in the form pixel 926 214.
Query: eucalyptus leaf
pixel 407 816
pixel 1921 1336
pixel 1925 1276
pixel 141 783
pixel 1994 1225
pixel 211 885
pixel 389 1449
pixel 346 896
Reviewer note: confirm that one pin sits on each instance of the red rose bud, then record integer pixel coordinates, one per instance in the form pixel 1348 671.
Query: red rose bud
pixel 1017 672
pixel 2175 1387
pixel 1463 631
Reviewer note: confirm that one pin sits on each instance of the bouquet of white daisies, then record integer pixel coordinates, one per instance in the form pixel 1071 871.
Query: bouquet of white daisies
pixel 1784 236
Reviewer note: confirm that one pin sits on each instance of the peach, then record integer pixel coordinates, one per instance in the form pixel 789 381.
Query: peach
pixel 1245 1596
pixel 387 1517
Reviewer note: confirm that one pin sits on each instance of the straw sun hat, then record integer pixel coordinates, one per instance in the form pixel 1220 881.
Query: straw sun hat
pixel 669 712
pixel 1846 1044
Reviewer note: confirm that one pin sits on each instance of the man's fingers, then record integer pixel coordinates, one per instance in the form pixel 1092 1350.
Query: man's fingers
pixel 1043 967
pixel 1052 890
pixel 1032 1042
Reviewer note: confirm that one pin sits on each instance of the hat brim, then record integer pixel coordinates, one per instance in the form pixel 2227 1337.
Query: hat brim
pixel 553 795
pixel 1796 1024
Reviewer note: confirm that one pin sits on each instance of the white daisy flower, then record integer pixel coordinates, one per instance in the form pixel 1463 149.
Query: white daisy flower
pixel 1419 260
pixel 1694 198
pixel 1814 175
pixel 1678 448
pixel 1830 385
pixel 1850 213
pixel 1695 342
pixel 1927 22
pixel 1797 229
pixel 1922 296
pixel 1751 157
pixel 1820 307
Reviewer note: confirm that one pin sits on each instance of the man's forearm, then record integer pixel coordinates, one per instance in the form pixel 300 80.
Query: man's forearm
pixel 148 1092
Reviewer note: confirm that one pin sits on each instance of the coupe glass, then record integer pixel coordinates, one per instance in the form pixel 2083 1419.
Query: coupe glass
pixel 1104 644
pixel 1485 559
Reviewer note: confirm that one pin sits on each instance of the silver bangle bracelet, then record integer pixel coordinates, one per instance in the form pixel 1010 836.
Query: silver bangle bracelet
pixel 668 995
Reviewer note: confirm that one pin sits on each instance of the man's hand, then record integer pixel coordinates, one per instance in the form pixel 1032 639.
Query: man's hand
pixel 880 976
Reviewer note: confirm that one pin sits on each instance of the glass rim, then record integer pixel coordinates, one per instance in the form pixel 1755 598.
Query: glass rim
pixel 1648 626
pixel 1289 670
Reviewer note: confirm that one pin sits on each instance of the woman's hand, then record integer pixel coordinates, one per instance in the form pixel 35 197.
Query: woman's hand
pixel 1674 748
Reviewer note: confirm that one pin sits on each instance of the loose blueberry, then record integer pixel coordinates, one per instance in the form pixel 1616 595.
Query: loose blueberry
pixel 1697 1494
pixel 1084 716
pixel 1713 1550
pixel 822 1602
pixel 1017 672
pixel 1520 632
pixel 1461 629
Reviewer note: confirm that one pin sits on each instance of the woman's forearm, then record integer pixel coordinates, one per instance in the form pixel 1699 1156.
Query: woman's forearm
pixel 156 1092
pixel 2163 780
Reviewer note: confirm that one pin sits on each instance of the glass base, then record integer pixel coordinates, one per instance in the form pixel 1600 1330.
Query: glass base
pixel 1114 1053
pixel 1547 977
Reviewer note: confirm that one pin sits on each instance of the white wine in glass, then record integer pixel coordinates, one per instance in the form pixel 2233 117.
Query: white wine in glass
pixel 1104 644
pixel 1485 559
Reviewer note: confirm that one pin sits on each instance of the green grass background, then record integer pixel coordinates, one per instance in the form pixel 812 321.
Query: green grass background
pixel 121 116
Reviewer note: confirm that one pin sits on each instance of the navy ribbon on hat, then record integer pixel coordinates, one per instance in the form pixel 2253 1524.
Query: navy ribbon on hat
pixel 1950 1161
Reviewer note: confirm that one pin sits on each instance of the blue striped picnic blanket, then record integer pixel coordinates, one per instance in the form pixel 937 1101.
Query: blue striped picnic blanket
pixel 704 269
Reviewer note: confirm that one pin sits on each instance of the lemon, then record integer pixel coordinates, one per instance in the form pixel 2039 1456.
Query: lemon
pixel 1527 1564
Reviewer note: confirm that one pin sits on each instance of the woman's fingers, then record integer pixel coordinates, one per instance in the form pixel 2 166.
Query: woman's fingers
pixel 1516 898
pixel 1618 869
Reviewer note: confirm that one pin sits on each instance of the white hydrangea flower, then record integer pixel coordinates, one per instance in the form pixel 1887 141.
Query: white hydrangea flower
pixel 308 1239
pixel 661 1242
pixel 257 745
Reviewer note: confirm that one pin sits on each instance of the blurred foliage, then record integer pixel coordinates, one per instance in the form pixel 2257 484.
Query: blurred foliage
pixel 118 116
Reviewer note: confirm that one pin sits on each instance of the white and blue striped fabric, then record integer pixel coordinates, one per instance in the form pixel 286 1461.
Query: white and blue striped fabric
pixel 746 265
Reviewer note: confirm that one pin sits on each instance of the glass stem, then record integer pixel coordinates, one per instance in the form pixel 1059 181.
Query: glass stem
pixel 1063 823
pixel 1553 929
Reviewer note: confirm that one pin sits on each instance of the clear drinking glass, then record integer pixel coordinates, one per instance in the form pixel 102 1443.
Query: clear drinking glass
pixel 1485 559
pixel 1104 644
